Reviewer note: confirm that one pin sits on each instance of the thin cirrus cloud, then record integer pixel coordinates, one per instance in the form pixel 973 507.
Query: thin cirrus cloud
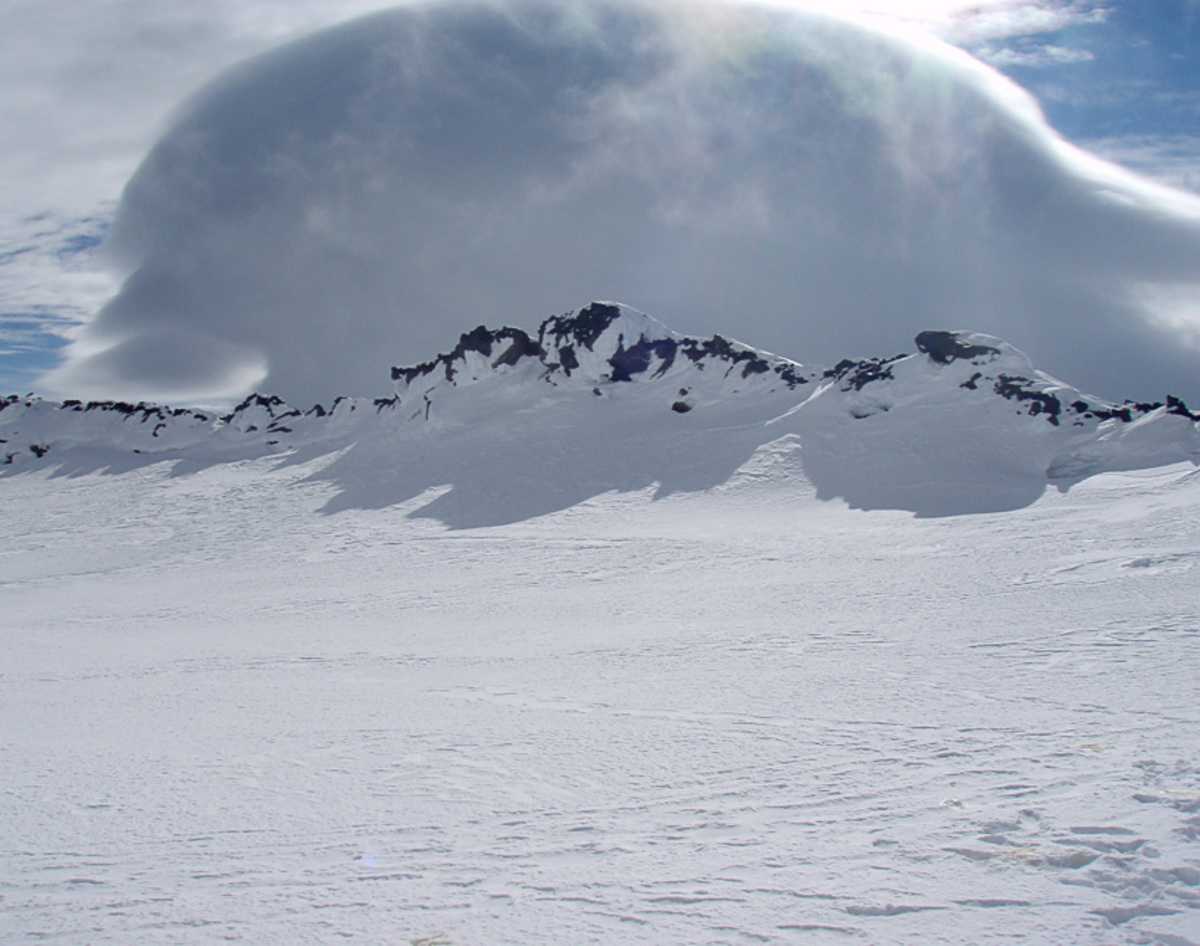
pixel 1174 159
pixel 49 286
pixel 810 183
pixel 1035 56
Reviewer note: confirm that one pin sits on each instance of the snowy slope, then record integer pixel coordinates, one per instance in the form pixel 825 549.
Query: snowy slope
pixel 964 424
pixel 501 660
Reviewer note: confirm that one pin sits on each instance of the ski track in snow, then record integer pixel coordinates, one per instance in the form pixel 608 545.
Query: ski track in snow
pixel 736 716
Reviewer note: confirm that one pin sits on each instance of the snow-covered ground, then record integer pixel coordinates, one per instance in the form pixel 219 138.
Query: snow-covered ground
pixel 732 715
pixel 607 636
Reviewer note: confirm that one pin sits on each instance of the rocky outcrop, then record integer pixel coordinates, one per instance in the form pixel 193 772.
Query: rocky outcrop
pixel 945 347
pixel 856 375
pixel 498 348
pixel 607 349
pixel 602 343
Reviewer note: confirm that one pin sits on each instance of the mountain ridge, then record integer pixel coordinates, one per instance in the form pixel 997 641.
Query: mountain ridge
pixel 962 401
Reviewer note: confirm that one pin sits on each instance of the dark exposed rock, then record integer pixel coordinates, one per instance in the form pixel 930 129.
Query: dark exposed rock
pixel 560 338
pixel 522 346
pixel 1178 406
pixel 567 360
pixel 479 339
pixel 269 403
pixel 627 362
pixel 582 328
pixel 636 359
pixel 516 344
pixel 556 349
pixel 857 375
pixel 719 348
pixel 945 347
pixel 121 407
pixel 561 334
pixel 1123 414
pixel 39 450
pixel 1126 412
pixel 145 412
pixel 1014 387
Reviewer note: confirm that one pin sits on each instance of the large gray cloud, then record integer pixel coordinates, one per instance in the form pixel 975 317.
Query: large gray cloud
pixel 357 198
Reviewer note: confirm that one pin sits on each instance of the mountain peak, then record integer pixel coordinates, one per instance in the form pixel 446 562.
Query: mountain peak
pixel 600 343
pixel 959 409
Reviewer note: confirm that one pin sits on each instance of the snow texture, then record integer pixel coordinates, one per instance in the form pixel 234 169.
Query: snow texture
pixel 570 665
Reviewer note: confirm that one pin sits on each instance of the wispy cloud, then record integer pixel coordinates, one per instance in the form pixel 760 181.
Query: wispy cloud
pixel 50 284
pixel 1034 56
pixel 973 22
pixel 1171 159
pixel 48 263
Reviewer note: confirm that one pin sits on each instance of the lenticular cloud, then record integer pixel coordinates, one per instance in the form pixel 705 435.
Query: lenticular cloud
pixel 805 183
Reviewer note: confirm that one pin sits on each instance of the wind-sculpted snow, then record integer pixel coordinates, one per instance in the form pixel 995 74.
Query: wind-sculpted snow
pixel 607 398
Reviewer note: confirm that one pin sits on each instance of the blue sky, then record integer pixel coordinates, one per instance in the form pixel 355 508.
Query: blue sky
pixel 1137 99
pixel 87 96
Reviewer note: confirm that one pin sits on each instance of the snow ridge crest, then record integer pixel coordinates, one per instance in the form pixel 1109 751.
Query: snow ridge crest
pixel 958 388
pixel 602 342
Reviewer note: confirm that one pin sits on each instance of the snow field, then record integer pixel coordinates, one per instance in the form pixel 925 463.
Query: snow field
pixel 731 715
